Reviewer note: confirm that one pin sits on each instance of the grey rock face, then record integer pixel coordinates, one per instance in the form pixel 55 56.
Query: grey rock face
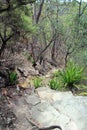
pixel 33 99
pixel 72 107
pixel 48 108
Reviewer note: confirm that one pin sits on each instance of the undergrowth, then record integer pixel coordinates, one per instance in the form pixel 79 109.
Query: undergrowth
pixel 37 81
pixel 67 78
pixel 72 74
pixel 12 77
pixel 55 84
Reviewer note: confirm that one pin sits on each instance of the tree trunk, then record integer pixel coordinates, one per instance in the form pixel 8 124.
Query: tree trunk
pixel 39 12
pixel 53 51
pixel 35 18
pixel 2 48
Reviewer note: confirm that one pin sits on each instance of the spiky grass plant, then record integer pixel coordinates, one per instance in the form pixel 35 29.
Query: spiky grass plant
pixel 72 74
pixel 12 78
pixel 37 82
pixel 56 84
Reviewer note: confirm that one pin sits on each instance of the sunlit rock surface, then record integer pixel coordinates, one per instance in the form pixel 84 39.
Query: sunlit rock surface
pixel 48 107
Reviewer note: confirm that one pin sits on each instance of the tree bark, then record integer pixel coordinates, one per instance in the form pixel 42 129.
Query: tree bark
pixel 4 42
pixel 39 12
pixel 53 51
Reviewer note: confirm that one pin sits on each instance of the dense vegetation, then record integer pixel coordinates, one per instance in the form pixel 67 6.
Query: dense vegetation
pixel 53 32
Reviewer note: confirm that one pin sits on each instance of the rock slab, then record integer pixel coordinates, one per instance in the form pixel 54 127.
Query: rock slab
pixel 48 107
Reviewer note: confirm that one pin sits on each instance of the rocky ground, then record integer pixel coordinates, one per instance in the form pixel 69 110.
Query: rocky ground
pixel 24 108
pixel 44 108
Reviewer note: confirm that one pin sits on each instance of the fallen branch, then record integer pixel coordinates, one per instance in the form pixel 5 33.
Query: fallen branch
pixel 43 128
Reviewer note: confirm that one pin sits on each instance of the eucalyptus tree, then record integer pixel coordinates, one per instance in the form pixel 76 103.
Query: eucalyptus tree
pixel 49 29
pixel 79 31
pixel 62 29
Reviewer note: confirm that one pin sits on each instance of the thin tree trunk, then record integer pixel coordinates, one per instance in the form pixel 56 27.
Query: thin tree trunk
pixel 4 42
pixel 39 12
pixel 2 48
pixel 53 51
pixel 36 17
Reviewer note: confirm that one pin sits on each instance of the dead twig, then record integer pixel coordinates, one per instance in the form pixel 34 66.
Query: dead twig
pixel 43 128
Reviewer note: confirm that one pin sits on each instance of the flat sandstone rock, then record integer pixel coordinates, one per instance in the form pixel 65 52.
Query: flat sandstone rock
pixel 49 107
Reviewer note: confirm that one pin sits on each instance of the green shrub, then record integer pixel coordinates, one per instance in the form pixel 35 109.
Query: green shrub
pixel 12 77
pixel 55 84
pixel 37 82
pixel 72 74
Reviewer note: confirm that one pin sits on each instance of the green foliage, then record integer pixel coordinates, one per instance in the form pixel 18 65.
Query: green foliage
pixel 12 77
pixel 15 20
pixel 82 87
pixel 37 82
pixel 56 84
pixel 53 83
pixel 72 74
pixel 26 23
pixel 83 94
